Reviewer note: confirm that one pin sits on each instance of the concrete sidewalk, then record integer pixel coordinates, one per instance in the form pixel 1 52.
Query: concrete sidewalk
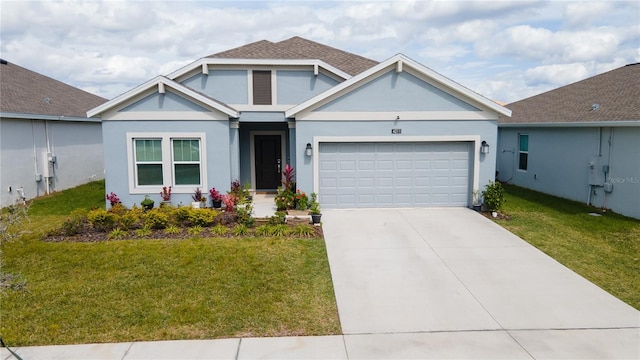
pixel 518 344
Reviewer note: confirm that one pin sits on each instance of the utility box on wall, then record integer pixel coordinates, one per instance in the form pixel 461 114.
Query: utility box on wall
pixel 596 175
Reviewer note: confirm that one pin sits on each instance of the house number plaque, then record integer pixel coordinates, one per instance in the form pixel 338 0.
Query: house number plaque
pixel 396 131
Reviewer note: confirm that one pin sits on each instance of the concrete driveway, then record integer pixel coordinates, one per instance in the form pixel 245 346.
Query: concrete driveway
pixel 448 282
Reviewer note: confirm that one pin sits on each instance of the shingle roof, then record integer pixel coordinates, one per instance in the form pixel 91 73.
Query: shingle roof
pixel 26 92
pixel 299 48
pixel 617 93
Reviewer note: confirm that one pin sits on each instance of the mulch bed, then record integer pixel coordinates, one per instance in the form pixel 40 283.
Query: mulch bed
pixel 89 234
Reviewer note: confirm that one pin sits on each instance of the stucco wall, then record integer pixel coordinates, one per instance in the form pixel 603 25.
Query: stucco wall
pixel 228 86
pixel 77 147
pixel 294 87
pixel 307 130
pixel 559 163
pixel 117 167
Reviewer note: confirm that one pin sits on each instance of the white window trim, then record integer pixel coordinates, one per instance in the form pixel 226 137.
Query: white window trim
pixel 523 152
pixel 167 162
pixel 475 139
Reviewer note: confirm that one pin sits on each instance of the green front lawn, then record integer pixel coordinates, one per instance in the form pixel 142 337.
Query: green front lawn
pixel 603 249
pixel 134 290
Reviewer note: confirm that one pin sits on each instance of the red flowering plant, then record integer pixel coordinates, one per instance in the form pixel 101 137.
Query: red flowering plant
pixel 215 194
pixel 113 198
pixel 166 193
pixel 302 200
pixel 229 201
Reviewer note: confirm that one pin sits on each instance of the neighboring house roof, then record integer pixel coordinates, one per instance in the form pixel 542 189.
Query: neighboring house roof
pixel 161 82
pixel 24 93
pixel 299 48
pixel 610 97
pixel 399 61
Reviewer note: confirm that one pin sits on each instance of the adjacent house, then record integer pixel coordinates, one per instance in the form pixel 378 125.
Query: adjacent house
pixel 47 143
pixel 580 141
pixel 358 132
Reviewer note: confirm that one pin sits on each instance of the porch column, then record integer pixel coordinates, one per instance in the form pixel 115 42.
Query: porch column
pixel 234 149
pixel 291 146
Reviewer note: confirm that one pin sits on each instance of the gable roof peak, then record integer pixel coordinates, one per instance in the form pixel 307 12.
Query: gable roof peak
pixel 297 47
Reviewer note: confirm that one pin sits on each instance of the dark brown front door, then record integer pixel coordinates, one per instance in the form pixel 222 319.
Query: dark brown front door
pixel 268 162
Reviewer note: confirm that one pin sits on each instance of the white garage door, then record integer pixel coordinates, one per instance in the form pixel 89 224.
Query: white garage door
pixel 420 174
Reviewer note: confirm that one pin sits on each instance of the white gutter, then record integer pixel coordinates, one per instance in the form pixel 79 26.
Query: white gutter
pixel 46 117
pixel 625 123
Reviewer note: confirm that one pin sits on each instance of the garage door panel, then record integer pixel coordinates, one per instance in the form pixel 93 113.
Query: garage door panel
pixel 394 174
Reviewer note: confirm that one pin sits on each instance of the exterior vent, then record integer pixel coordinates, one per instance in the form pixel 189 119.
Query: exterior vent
pixel 261 87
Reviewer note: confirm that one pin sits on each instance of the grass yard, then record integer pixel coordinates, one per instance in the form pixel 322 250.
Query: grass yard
pixel 134 290
pixel 603 249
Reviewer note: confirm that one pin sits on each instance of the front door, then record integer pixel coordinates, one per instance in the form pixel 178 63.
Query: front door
pixel 268 161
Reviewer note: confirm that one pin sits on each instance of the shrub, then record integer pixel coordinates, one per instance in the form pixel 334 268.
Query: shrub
pixel 303 230
pixel 285 199
pixel 172 229
pixel 279 230
pixel 240 230
pixel 493 196
pixel 219 230
pixel 118 209
pixel 201 217
pixel 128 220
pixel 244 215
pixel 277 218
pixel 143 232
pixel 73 224
pixel 116 233
pixel 196 230
pixel 263 230
pixel 181 215
pixel 155 219
pixel 302 200
pixel 101 219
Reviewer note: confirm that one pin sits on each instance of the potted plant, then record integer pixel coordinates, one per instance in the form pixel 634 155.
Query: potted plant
pixel 165 194
pixel 314 210
pixel 216 198
pixel 147 203
pixel 197 198
pixel 301 204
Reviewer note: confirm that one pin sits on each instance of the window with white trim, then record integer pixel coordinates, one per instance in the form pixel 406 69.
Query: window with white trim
pixel 158 159
pixel 523 152
pixel 186 161
pixel 148 159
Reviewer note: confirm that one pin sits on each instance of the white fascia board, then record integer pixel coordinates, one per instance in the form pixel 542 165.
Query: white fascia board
pixel 396 115
pixel 166 82
pixel 393 62
pixel 258 62
pixel 582 124
pixel 454 86
pixel 9 115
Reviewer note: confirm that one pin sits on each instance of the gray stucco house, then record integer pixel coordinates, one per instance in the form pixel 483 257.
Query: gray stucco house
pixel 358 132
pixel 47 143
pixel 579 142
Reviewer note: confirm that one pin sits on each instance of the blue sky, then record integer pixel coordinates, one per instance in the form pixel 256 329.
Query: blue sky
pixel 504 50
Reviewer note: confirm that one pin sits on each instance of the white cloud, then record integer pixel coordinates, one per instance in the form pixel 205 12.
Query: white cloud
pixel 502 49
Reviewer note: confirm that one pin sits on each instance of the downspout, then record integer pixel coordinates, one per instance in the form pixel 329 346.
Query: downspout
pixel 49 163
pixel 35 154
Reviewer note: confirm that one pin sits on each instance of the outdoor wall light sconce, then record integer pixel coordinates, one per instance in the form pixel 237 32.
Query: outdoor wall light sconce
pixel 308 151
pixel 484 147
